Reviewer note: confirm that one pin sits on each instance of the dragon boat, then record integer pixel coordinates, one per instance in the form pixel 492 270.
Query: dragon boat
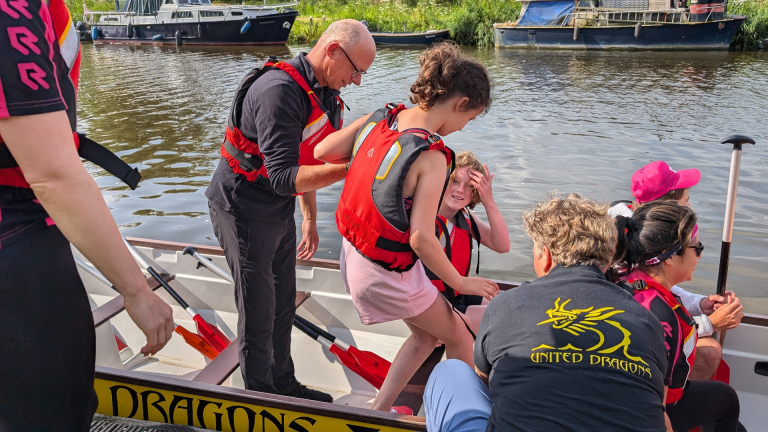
pixel 179 385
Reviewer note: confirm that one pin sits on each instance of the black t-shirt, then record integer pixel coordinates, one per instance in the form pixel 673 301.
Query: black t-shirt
pixel 39 67
pixel 572 351
pixel 275 112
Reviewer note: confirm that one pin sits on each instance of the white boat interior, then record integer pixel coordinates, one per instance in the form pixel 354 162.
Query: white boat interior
pixel 144 12
pixel 330 307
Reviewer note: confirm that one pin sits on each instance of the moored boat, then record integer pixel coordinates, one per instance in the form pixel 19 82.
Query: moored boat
pixel 619 24
pixel 180 386
pixel 406 38
pixel 193 22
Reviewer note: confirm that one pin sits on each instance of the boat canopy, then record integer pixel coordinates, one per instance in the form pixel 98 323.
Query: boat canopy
pixel 545 13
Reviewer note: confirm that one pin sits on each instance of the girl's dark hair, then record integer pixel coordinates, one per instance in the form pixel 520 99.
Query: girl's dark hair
pixel 673 195
pixel 654 228
pixel 445 73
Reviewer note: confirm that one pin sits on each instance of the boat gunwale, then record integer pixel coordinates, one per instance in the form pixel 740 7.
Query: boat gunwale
pixel 267 400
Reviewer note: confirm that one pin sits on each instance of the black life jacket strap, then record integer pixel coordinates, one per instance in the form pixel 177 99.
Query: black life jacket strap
pixel 248 162
pixel 392 245
pixel 476 234
pixel 474 337
pixel 441 225
pixel 94 152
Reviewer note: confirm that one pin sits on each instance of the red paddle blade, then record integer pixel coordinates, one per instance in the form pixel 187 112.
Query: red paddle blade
pixel 367 357
pixel 365 371
pixel 197 342
pixel 212 334
pixel 120 344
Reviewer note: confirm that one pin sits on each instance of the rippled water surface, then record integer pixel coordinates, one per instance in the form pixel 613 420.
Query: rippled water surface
pixel 571 121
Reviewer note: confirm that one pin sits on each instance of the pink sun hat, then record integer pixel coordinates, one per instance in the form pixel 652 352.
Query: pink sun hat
pixel 657 178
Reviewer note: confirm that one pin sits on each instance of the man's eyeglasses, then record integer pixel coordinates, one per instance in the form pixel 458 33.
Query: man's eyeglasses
pixel 357 71
pixel 699 249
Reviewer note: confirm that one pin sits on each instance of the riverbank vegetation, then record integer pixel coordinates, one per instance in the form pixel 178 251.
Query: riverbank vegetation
pixel 470 21
pixel 755 28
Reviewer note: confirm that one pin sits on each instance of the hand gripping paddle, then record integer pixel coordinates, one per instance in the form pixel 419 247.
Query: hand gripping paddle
pixel 209 332
pixel 192 339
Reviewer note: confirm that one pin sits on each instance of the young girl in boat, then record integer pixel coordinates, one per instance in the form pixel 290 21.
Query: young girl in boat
pixel 469 184
pixel 660 247
pixel 386 214
pixel 658 182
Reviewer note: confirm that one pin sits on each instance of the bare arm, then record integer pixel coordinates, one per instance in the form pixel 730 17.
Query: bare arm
pixel 666 417
pixel 430 169
pixel 483 377
pixel 494 234
pixel 44 148
pixel 337 147
pixel 309 236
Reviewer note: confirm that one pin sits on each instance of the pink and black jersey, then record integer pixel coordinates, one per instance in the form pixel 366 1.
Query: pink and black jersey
pixel 39 72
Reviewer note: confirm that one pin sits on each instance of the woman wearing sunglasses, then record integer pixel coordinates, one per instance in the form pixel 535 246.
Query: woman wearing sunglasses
pixel 658 248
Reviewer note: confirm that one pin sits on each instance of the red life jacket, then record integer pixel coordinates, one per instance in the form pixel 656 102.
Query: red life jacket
pixel 371 214
pixel 457 246
pixel 685 352
pixel 244 156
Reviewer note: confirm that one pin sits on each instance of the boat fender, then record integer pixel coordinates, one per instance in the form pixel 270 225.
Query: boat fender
pixel 199 31
pixel 157 37
pixel 244 29
pixel 94 33
pixel 178 38
pixel 576 31
pixel 130 30
pixel 638 28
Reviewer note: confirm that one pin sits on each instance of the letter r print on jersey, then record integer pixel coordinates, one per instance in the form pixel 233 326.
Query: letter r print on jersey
pixel 23 40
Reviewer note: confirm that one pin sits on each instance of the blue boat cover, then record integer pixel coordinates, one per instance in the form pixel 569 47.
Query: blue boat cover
pixel 546 13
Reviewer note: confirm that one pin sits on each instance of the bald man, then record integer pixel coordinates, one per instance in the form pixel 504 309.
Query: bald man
pixel 280 112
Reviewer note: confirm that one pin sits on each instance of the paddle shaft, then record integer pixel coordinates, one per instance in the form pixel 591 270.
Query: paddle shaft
pixel 143 263
pixel 205 262
pixel 730 210
pixel 322 333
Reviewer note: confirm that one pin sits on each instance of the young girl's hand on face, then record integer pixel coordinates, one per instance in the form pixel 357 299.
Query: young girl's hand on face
pixel 482 183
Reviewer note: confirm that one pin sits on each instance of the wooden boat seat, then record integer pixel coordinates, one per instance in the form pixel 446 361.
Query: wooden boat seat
pixel 220 368
pixel 113 307
pixel 413 393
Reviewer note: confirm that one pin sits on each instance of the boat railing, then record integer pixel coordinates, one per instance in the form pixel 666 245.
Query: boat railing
pixel 90 17
pixel 602 17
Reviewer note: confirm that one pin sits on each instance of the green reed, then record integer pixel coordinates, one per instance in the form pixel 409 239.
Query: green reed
pixel 470 21
pixel 755 27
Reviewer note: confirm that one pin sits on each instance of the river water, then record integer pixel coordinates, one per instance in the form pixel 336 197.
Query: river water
pixel 570 121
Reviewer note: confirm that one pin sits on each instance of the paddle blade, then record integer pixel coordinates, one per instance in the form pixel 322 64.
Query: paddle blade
pixel 212 334
pixel 120 344
pixel 197 342
pixel 365 371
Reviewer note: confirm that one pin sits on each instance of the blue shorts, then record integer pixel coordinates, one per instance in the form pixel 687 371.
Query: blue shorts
pixel 455 399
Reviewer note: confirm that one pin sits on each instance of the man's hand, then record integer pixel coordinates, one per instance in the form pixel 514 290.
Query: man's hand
pixel 153 316
pixel 727 315
pixel 309 240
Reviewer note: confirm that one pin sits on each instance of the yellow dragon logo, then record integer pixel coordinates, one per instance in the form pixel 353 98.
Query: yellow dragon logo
pixel 578 321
